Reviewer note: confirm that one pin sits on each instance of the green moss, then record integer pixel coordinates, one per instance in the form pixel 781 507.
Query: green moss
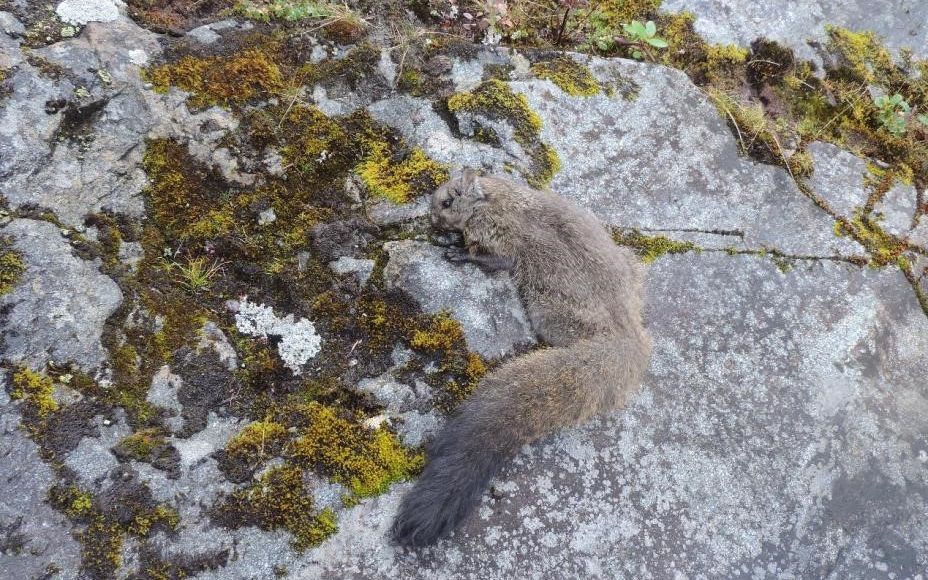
pixel 140 445
pixel 801 164
pixel 399 180
pixel 36 390
pixel 443 334
pixel 101 548
pixel 366 461
pixel 650 248
pixel 11 266
pixel 569 75
pixel 162 515
pixel 221 80
pixel 862 54
pixel 72 501
pixel 279 500
pixel 497 101
pixel 884 248
pixel 256 441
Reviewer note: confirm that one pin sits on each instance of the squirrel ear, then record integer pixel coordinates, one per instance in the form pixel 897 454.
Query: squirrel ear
pixel 469 185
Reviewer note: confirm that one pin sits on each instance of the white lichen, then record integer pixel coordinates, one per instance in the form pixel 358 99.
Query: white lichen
pixel 298 339
pixel 80 12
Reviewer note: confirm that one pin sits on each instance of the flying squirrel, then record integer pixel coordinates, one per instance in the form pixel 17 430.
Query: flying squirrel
pixel 583 296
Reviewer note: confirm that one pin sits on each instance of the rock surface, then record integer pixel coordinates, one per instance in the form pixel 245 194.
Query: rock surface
pixel 57 312
pixel 780 431
pixel 900 23
pixel 485 305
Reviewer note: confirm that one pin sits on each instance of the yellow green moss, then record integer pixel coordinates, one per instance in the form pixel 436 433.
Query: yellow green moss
pixel 180 198
pixel 141 444
pixel 72 500
pixel 101 547
pixel 11 267
pixel 443 334
pixel 36 390
pixel 650 248
pixel 884 248
pixel 365 461
pixel 862 54
pixel 497 101
pixel 399 181
pixel 570 76
pixel 257 441
pixel 279 500
pixel 624 11
pixel 142 524
pixel 221 80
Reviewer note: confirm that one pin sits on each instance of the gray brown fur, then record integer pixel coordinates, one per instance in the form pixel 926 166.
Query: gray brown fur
pixel 582 294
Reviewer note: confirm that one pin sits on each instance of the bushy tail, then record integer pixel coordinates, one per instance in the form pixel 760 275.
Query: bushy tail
pixel 519 402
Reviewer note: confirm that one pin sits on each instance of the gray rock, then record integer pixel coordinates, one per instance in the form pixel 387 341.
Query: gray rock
pixel 211 336
pixel 217 433
pixel 417 121
pixel 10 26
pixel 96 163
pixel 900 23
pixel 897 209
pixel 361 268
pixel 32 534
pixel 692 177
pixel 56 312
pixel 209 33
pixel 387 213
pixel 163 393
pixel 839 179
pixel 793 448
pixel 83 11
pixel 92 460
pixel 486 305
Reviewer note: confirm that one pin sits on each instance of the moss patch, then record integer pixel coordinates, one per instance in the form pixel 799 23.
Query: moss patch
pixel 36 390
pixel 221 80
pixel 11 266
pixel 569 75
pixel 280 500
pixel 365 461
pixel 650 248
pixel 884 248
pixel 495 100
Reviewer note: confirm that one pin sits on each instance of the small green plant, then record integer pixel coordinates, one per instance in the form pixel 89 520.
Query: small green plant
pixel 893 112
pixel 641 36
pixel 923 119
pixel 198 273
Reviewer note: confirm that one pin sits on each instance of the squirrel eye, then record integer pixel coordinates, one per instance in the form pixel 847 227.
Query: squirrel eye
pixel 447 203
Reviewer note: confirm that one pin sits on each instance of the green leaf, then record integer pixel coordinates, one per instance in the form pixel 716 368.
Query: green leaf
pixel 637 55
pixel 657 42
pixel 923 119
pixel 650 28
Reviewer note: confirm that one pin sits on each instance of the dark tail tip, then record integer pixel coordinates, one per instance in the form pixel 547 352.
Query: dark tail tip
pixel 446 493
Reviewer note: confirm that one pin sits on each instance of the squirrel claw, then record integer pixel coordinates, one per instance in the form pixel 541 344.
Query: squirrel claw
pixel 456 255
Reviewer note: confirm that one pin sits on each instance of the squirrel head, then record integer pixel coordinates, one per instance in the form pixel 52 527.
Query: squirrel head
pixel 455 202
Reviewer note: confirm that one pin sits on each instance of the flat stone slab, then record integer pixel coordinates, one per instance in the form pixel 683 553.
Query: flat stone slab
pixel 900 23
pixel 780 433
pixel 486 305
pixel 692 177
pixel 57 310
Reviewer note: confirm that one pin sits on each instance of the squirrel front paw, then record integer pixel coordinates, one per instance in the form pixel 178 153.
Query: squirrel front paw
pixel 457 255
